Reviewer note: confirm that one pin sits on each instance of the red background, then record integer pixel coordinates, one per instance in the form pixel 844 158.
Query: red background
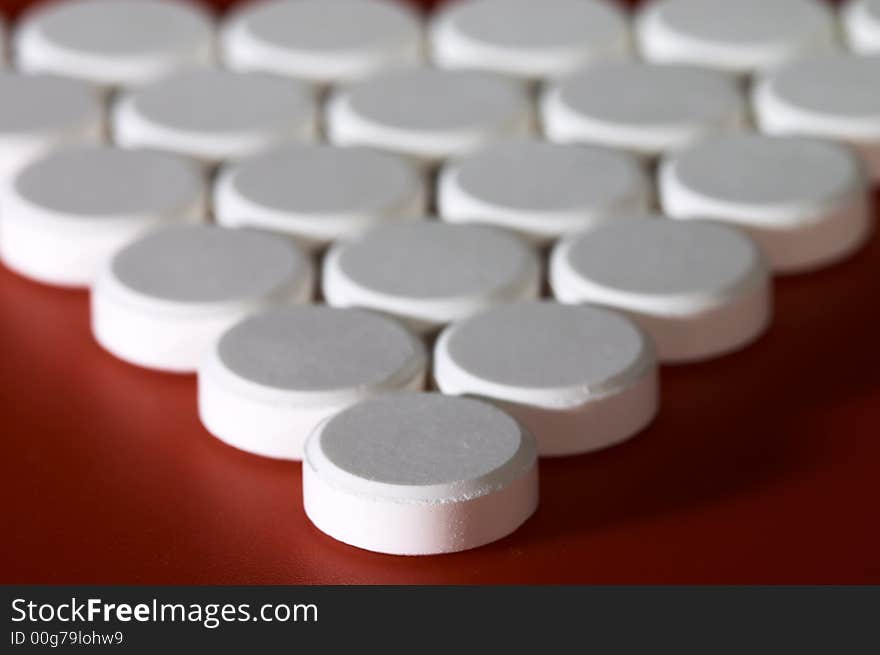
pixel 763 466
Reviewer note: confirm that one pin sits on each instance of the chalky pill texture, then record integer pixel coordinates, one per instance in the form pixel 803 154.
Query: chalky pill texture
pixel 430 273
pixel 419 474
pixel 395 429
pixel 164 299
pixel 513 346
pixel 324 42
pixel 526 38
pixel 542 190
pixel 647 109
pixel 42 112
pixel 216 115
pixel 740 37
pixel 104 183
pixel 320 193
pixel 834 96
pixel 578 377
pixel 65 215
pixel 274 376
pixel 694 259
pixel 700 289
pixel 429 114
pixel 115 42
pixel 206 265
pixel 319 349
pixel 805 201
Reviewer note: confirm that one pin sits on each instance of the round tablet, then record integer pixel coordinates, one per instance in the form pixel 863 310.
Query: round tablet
pixel 270 379
pixel 420 474
pixel 162 300
pixel 429 273
pixel 529 39
pixel 804 201
pixel 645 108
pixel 319 193
pixel 325 42
pixel 834 96
pixel 740 37
pixel 699 289
pixel 429 114
pixel 578 377
pixel 42 112
pixel 115 42
pixel 216 115
pixel 543 190
pixel 65 215
pixel 861 21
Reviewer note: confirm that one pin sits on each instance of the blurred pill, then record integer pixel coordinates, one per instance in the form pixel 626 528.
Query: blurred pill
pixel 64 216
pixel 324 42
pixel 699 289
pixel 114 43
pixel 319 193
pixel 163 300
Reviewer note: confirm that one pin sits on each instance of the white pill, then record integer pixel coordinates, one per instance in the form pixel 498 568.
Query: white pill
pixel 804 201
pixel 324 42
pixel 65 215
pixel 578 377
pixel 529 39
pixel 216 115
pixel 318 194
pixel 543 190
pixel 42 112
pixel 420 474
pixel 861 21
pixel 835 96
pixel 115 43
pixel 699 289
pixel 270 379
pixel 164 299
pixel 429 273
pixel 644 108
pixel 429 114
pixel 740 37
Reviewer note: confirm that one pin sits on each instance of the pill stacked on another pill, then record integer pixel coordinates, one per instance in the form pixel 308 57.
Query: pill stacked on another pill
pixel 417 252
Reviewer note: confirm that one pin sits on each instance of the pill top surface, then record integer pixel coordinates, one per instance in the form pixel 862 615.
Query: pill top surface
pixel 845 86
pixel 203 264
pixel 546 349
pixel 330 26
pixel 324 41
pixel 769 171
pixel 436 100
pixel 41 103
pixel 664 257
pixel 426 440
pixel 430 260
pixel 540 176
pixel 746 23
pixel 319 180
pixel 223 101
pixel 112 32
pixel 561 33
pixel 96 182
pixel 122 26
pixel 646 94
pixel 314 349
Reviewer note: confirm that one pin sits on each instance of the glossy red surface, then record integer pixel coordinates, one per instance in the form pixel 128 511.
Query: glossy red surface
pixel 763 466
